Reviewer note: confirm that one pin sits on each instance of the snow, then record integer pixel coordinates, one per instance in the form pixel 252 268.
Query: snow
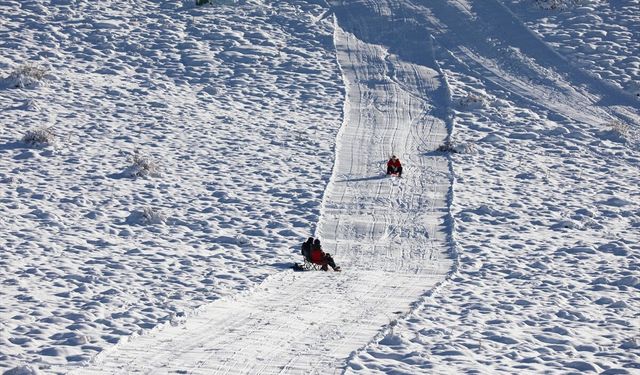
pixel 94 248
pixel 538 222
pixel 190 150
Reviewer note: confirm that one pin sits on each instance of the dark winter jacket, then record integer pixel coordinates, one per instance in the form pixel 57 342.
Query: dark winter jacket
pixel 306 249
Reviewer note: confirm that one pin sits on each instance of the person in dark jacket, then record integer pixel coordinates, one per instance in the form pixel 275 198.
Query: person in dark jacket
pixel 320 257
pixel 306 248
pixel 394 166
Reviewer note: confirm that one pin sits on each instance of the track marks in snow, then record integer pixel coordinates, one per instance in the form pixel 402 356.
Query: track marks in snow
pixel 388 234
pixel 545 223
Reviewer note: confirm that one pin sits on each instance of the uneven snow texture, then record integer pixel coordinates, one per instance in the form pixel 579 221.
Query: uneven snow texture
pixel 390 235
pixel 237 107
pixel 546 210
pixel 601 37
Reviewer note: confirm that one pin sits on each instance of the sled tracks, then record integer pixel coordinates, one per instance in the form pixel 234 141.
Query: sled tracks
pixel 389 234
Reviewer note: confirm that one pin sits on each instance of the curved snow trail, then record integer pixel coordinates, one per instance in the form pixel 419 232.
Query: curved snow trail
pixel 388 234
pixel 510 57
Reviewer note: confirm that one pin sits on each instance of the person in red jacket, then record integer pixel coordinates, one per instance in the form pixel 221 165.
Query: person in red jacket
pixel 394 166
pixel 320 257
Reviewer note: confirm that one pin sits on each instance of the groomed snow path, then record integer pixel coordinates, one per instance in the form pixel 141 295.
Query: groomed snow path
pixel 389 235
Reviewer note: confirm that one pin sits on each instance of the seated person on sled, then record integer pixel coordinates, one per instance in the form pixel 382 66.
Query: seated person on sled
pixel 306 248
pixel 394 166
pixel 320 257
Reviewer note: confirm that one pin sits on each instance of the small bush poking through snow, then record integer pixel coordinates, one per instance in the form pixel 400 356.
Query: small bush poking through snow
pixel 39 137
pixel 561 4
pixel 30 105
pixel 25 76
pixel 148 216
pixel 472 101
pixel 552 4
pixel 153 216
pixel 619 128
pixel 461 148
pixel 142 166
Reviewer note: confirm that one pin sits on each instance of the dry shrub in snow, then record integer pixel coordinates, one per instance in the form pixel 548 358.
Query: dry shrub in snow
pixel 40 137
pixel 472 101
pixel 25 76
pixel 552 4
pixel 615 131
pixel 153 216
pixel 619 128
pixel 142 166
pixel 148 216
pixel 457 148
pixel 562 4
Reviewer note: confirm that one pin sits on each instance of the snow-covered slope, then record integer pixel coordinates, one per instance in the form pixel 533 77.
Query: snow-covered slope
pixel 600 37
pixel 546 207
pixel 390 235
pixel 238 106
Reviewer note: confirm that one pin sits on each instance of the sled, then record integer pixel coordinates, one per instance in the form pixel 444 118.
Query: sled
pixel 306 266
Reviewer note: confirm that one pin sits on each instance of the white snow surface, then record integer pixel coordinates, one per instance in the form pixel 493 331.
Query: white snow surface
pixel 237 110
pixel 187 152
pixel 389 235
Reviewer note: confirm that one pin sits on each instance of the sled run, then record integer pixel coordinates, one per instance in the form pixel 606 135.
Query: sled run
pixel 390 236
pixel 393 238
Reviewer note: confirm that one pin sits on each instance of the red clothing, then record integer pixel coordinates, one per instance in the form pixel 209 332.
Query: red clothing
pixel 317 256
pixel 394 163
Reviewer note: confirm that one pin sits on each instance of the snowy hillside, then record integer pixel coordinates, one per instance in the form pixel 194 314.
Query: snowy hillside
pixel 546 202
pixel 236 107
pixel 161 163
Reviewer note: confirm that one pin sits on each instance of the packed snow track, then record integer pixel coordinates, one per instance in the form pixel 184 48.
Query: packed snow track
pixel 389 235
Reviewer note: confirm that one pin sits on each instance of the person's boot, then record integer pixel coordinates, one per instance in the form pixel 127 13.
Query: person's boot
pixel 337 268
pixel 325 268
